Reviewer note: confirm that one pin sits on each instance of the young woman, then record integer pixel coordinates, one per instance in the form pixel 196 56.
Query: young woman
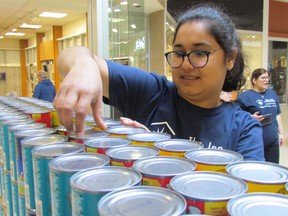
pixel 206 59
pixel 263 105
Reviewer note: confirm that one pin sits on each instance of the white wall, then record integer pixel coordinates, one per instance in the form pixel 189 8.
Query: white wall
pixel 74 28
pixel 9 44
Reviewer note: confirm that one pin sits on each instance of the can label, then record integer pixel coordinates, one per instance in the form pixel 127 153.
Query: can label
pixel 208 208
pixel 215 168
pixel 55 119
pixel 39 208
pixel 136 143
pixel 272 188
pixel 21 188
pixel 15 198
pixel 122 163
pixel 96 150
pixel 22 208
pixel 157 182
pixel 45 118
pixel 171 153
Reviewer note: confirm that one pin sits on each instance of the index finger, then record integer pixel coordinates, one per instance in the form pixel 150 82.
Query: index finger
pixel 97 113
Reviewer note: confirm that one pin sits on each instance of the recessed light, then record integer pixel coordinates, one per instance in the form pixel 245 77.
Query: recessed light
pixel 52 15
pixel 124 2
pixel 136 5
pixel 117 10
pixel 133 26
pixel 1 36
pixel 14 29
pixel 15 34
pixel 115 30
pixel 30 26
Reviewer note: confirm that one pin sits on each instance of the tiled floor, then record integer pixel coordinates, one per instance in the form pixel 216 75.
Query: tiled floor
pixel 284 148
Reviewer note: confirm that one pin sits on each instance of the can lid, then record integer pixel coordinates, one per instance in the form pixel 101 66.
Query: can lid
pixel 36 111
pixel 105 179
pixel 90 134
pixel 62 128
pixel 106 142
pixel 13 117
pixel 259 171
pixel 258 204
pixel 35 132
pixel 77 162
pixel 42 140
pixel 178 145
pixel 213 156
pixel 149 136
pixel 212 186
pixel 110 122
pixel 131 152
pixel 57 149
pixel 142 201
pixel 125 130
pixel 18 121
pixel 164 166
pixel 27 126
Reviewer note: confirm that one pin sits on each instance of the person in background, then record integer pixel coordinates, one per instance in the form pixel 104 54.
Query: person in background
pixel 225 96
pixel 263 105
pixel 206 59
pixel 44 90
pixel 12 94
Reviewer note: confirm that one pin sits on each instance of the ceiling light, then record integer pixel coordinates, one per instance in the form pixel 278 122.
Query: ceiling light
pixel 15 34
pixel 133 26
pixel 116 20
pixel 14 29
pixel 117 10
pixel 1 36
pixel 253 36
pixel 115 30
pixel 124 2
pixel 52 15
pixel 136 5
pixel 30 26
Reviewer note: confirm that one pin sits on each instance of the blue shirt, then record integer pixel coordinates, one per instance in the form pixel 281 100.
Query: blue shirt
pixel 153 101
pixel 266 103
pixel 45 90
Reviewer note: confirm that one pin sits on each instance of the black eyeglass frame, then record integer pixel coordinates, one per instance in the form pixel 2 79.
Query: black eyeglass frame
pixel 183 55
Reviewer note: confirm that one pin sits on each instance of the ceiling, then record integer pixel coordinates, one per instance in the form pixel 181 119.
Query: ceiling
pixel 14 12
pixel 246 14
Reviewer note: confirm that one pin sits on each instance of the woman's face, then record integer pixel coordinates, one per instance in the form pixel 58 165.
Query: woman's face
pixel 262 82
pixel 200 86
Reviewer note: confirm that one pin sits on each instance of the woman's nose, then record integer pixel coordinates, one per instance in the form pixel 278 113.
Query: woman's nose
pixel 186 65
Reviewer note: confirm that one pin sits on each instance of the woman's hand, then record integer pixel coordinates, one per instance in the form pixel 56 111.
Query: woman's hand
pixel 81 88
pixel 131 123
pixel 281 140
pixel 257 116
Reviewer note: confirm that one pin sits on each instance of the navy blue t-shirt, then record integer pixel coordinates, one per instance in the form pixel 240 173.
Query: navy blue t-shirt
pixel 266 103
pixel 153 101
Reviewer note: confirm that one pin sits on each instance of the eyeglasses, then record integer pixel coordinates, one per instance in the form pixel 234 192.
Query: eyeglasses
pixel 264 78
pixel 197 58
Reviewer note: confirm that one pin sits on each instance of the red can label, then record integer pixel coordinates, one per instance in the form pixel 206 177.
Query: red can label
pixel 157 181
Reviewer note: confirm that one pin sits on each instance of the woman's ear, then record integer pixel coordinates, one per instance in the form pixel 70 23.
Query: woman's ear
pixel 231 59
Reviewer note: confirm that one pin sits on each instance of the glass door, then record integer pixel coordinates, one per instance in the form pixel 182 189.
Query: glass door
pixel 277 66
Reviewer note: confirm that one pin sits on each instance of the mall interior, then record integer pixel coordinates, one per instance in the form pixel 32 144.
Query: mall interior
pixel 135 33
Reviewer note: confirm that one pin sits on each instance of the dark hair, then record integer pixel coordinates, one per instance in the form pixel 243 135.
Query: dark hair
pixel 224 32
pixel 257 73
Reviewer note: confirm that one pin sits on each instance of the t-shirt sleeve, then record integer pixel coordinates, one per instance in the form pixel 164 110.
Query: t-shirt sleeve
pixel 250 143
pixel 132 91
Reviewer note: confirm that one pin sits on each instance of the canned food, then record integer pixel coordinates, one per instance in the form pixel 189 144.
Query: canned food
pixel 260 176
pixel 20 135
pixel 123 131
pixel 109 123
pixel 42 155
pixel 147 138
pixel 28 144
pixel 87 187
pixel 142 200
pixel 89 134
pixel 61 170
pixel 286 187
pixel 30 212
pixel 177 147
pixel 100 145
pixel 126 156
pixel 40 116
pixel 8 192
pixel 213 159
pixel 258 204
pixel 63 131
pixel 208 192
pixel 15 201
pixel 158 171
pixel 22 208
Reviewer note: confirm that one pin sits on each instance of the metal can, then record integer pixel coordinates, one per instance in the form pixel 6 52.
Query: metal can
pixel 27 145
pixel 61 170
pixel 40 116
pixel 258 204
pixel 177 147
pixel 22 208
pixel 15 199
pixel 8 192
pixel 286 187
pixel 87 187
pixel 63 131
pixel 126 156
pixel 42 155
pixel 213 159
pixel 142 200
pixel 13 144
pixel 208 192
pixel 1 180
pixel 147 138
pixel 89 134
pixel 158 171
pixel 260 176
pixel 109 123
pixel 100 145
pixel 30 212
pixel 20 135
pixel 123 131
